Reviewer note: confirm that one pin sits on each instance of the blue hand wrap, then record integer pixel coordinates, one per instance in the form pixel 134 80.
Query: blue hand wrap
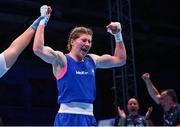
pixel 44 21
pixel 36 22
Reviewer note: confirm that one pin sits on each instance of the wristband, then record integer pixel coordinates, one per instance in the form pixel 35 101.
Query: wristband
pixel 44 21
pixel 36 23
pixel 118 37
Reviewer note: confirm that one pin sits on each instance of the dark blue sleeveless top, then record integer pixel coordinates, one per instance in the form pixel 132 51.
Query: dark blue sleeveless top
pixel 78 84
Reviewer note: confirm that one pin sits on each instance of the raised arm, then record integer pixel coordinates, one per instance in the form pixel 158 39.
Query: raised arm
pixel 119 57
pixel 122 116
pixel 44 52
pixel 148 116
pixel 151 88
pixel 56 58
pixel 18 45
pixel 10 55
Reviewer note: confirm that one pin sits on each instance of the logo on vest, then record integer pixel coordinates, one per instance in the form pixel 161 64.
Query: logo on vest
pixel 81 72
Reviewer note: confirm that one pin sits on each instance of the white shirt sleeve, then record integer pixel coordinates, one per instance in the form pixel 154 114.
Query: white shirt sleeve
pixel 3 68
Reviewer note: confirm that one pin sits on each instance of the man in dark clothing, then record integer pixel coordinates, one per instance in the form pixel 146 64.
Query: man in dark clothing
pixel 134 118
pixel 168 101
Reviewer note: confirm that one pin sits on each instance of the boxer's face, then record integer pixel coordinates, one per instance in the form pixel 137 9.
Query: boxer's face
pixel 82 45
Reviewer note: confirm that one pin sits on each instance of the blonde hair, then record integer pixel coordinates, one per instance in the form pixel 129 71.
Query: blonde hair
pixel 76 32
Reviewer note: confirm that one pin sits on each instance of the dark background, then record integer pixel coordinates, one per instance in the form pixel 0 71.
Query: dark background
pixel 28 91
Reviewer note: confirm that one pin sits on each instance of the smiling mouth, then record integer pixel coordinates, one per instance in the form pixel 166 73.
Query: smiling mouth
pixel 84 49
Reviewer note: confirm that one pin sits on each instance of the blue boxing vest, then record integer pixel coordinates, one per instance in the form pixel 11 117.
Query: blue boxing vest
pixel 78 84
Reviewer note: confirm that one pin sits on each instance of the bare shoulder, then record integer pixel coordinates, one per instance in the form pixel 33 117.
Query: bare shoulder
pixel 60 58
pixel 59 63
pixel 94 57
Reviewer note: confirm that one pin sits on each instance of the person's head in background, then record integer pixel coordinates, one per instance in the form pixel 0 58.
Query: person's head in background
pixel 133 106
pixel 168 99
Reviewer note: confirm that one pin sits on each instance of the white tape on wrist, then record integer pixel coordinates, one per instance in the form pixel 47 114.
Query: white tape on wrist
pixel 118 37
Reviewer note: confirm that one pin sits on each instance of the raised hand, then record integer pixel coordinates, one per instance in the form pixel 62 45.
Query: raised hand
pixel 121 113
pixel 148 113
pixel 114 27
pixel 45 13
pixel 145 76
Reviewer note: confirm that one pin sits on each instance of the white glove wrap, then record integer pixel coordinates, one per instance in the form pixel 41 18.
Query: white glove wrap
pixel 43 10
pixel 117 36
